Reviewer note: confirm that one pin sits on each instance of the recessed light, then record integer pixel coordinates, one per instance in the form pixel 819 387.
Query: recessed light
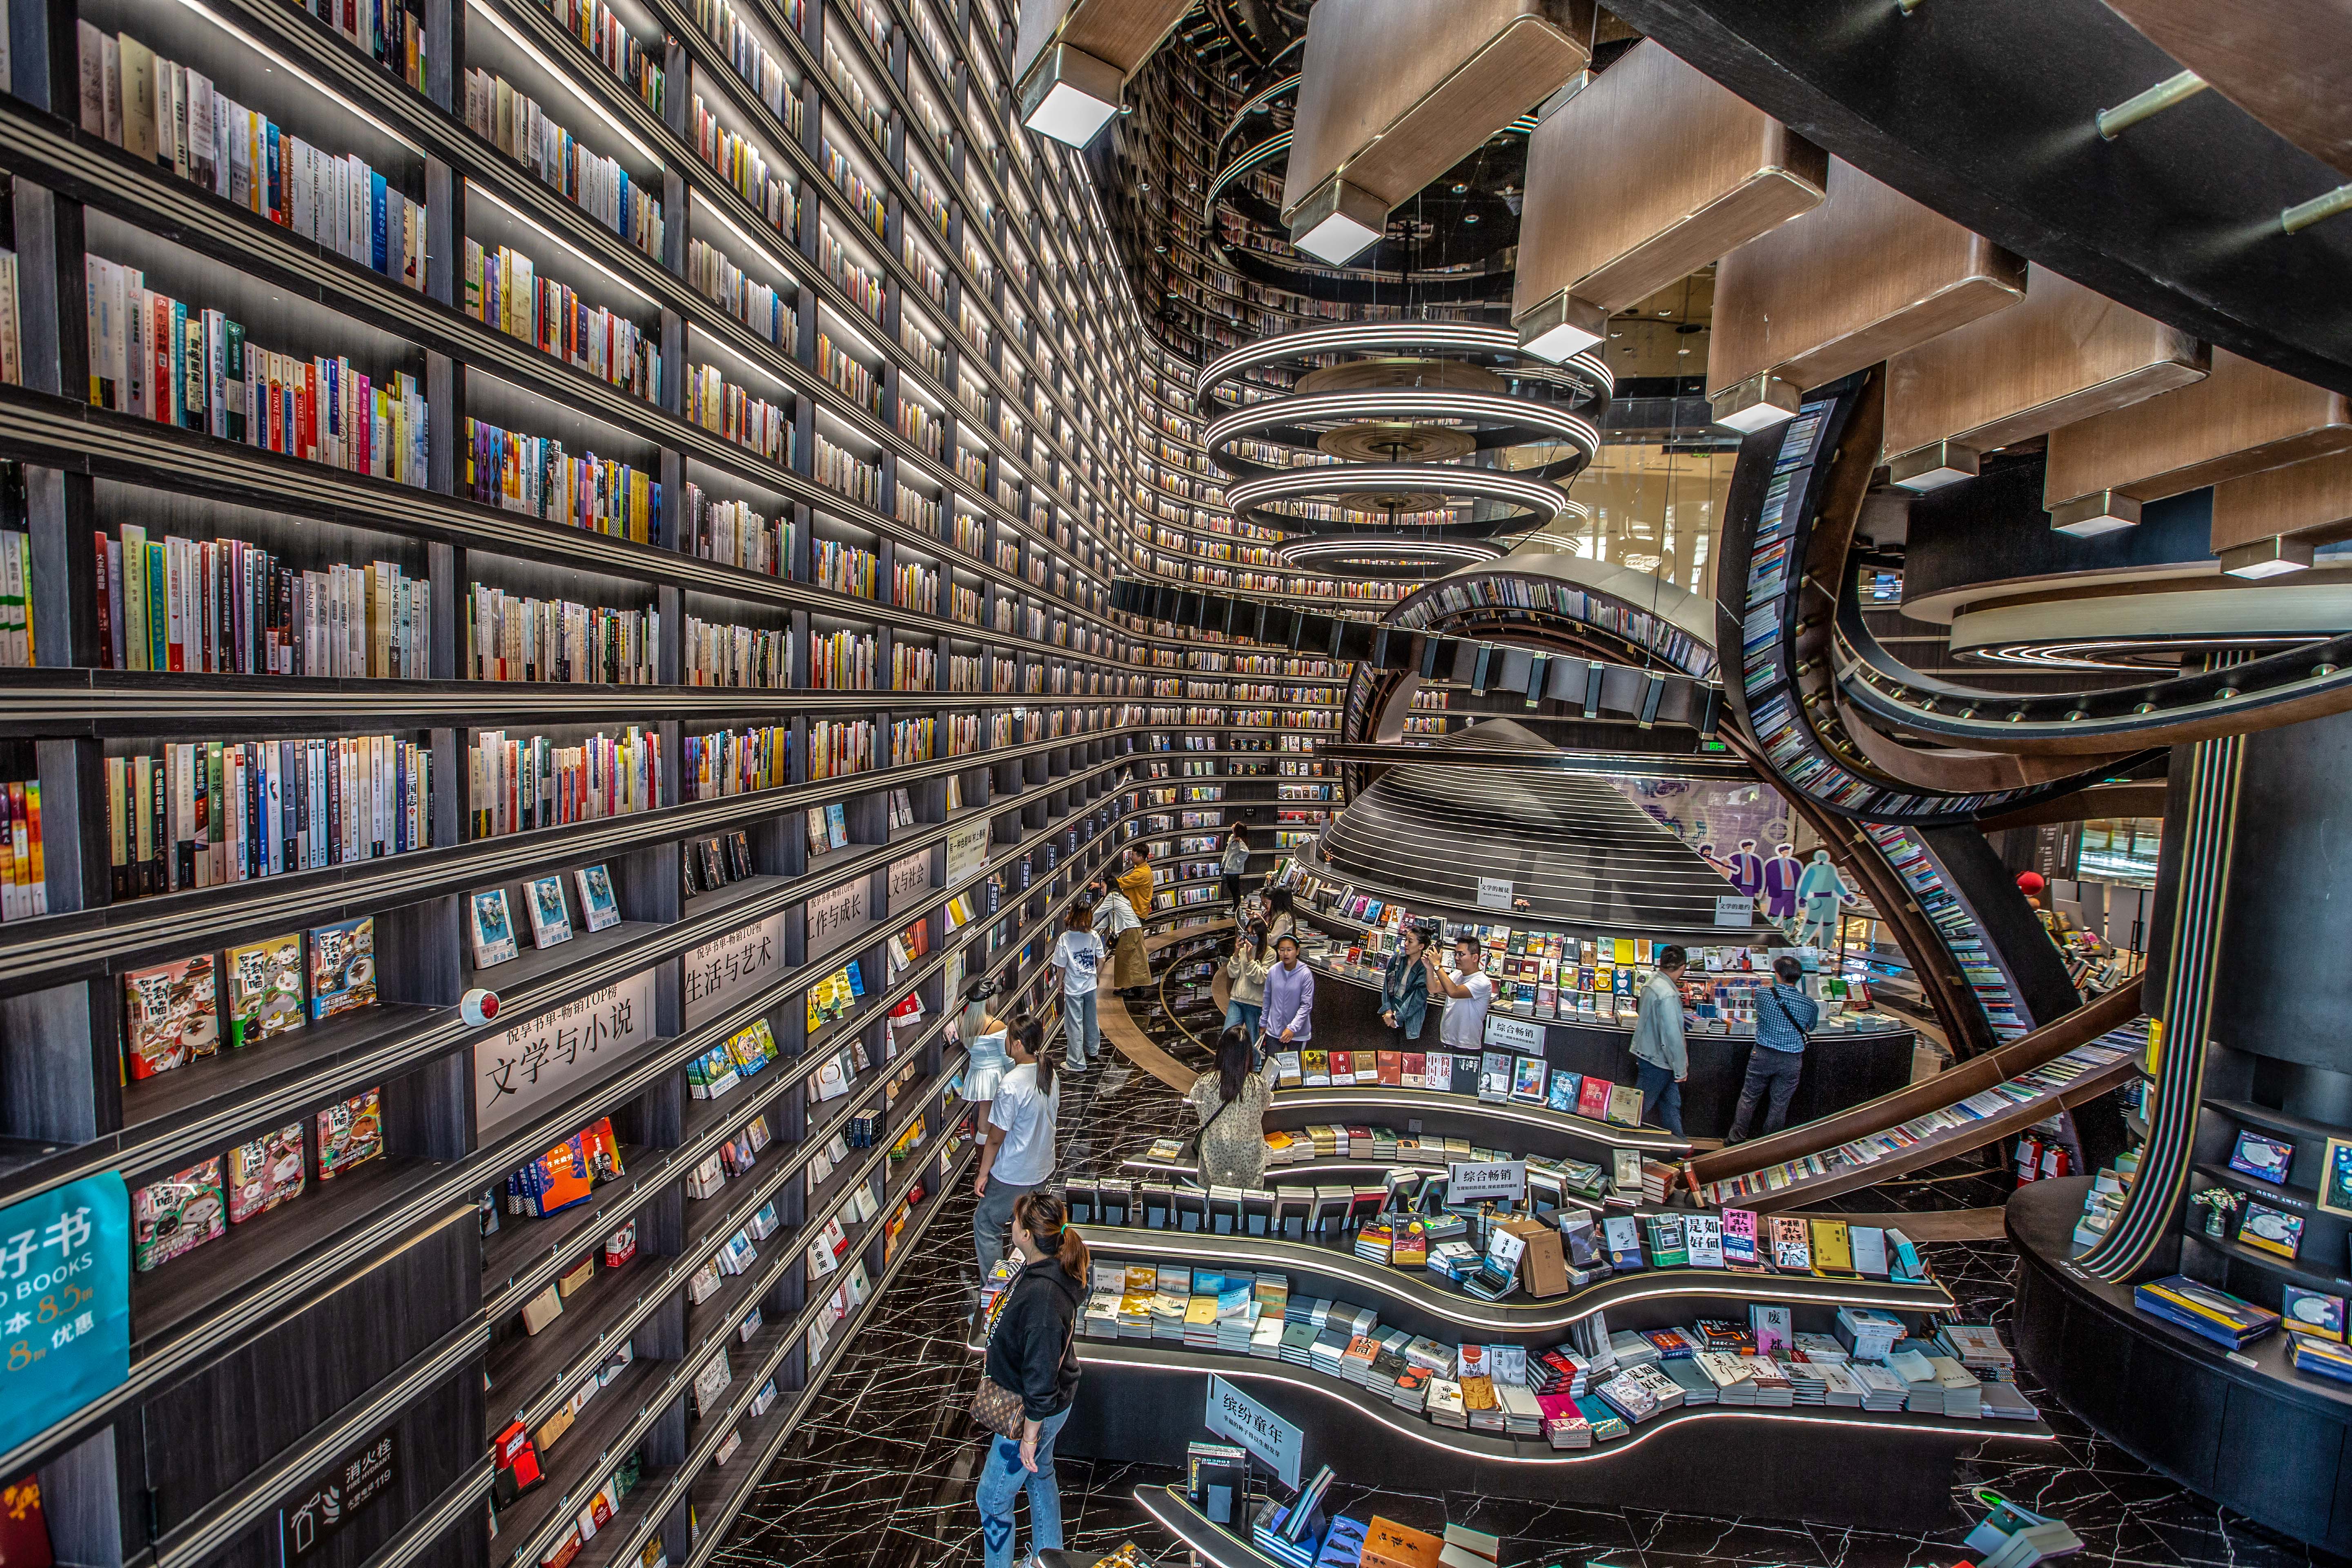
pixel 1469 218
pixel 1665 312
pixel 1459 188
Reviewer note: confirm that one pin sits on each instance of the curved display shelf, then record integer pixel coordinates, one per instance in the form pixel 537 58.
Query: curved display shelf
pixel 1426 1303
pixel 1856 1467
pixel 1306 1105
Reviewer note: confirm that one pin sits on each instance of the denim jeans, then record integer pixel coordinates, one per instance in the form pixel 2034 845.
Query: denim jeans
pixel 1662 1097
pixel 1002 1479
pixel 1242 1015
pixel 1772 1073
pixel 989 1220
pixel 1082 1035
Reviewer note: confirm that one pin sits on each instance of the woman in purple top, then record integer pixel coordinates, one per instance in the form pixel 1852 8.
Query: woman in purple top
pixel 1288 1018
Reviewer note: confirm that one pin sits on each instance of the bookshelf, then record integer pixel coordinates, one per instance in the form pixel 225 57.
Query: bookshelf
pixel 874 585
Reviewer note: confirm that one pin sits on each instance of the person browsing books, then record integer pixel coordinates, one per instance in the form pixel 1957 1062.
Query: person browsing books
pixel 1246 969
pixel 1289 1009
pixel 1468 994
pixel 1233 1100
pixel 1404 987
pixel 1032 1353
pixel 1136 879
pixel 1122 935
pixel 1784 1016
pixel 982 1034
pixel 1236 862
pixel 1018 1153
pixel 1077 960
pixel 1281 912
pixel 1660 1058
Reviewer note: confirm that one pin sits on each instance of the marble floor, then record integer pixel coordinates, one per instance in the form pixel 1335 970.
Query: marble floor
pixel 880 1475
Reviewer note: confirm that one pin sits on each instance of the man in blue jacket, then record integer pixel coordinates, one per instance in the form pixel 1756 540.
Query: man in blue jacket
pixel 1784 1016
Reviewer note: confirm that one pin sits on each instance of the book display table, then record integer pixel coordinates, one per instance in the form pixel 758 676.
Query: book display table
pixel 1842 1068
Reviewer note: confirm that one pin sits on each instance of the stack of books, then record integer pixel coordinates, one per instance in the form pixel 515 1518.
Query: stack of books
pixel 1773 1390
pixel 1881 1390
pixel 1445 1405
pixel 1329 1352
pixel 1634 1349
pixel 1564 1424
pixel 1522 1416
pixel 1356 1362
pixel 1629 1397
pixel 1478 1400
pixel 1696 1387
pixel 1606 1424
pixel 1411 1390
pixel 2201 1309
pixel 1922 1391
pixel 1867 1333
pixel 1168 1313
pixel 1200 1330
pixel 1729 1371
pixel 1842 1388
pixel 1963 1395
pixel 1299 1333
pixel 1978 1347
pixel 1806 1385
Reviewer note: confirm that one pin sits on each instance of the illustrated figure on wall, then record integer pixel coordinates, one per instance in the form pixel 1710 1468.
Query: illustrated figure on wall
pixel 1747 870
pixel 1706 853
pixel 1822 892
pixel 1781 875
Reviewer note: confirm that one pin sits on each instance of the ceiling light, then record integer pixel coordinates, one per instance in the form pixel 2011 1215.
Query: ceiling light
pixel 1932 467
pixel 1469 218
pixel 1756 403
pixel 2087 517
pixel 1338 221
pixel 1560 326
pixel 1069 95
pixel 2267 558
pixel 1460 188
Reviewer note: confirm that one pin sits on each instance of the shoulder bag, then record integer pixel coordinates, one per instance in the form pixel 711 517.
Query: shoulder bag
pixel 997 1408
pixel 1804 1038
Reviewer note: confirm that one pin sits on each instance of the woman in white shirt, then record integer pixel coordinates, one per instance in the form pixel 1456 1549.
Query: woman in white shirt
pixel 1017 1154
pixel 982 1034
pixel 1077 960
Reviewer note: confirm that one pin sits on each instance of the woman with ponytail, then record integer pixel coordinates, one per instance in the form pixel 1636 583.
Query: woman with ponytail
pixel 1032 1353
pixel 1016 1154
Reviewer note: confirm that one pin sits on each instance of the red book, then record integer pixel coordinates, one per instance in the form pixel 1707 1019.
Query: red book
pixel 1343 1067
pixel 1593 1097
pixel 1391 1068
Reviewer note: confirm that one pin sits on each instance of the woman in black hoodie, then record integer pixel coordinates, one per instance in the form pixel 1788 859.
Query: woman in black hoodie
pixel 1031 1352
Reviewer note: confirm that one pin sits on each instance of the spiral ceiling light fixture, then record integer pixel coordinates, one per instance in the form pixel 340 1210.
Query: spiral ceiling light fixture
pixel 1390 449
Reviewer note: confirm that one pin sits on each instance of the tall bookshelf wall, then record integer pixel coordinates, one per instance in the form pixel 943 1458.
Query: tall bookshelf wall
pixel 876 316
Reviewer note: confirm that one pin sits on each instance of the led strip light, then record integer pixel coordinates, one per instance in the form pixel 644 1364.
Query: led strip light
pixel 1536 503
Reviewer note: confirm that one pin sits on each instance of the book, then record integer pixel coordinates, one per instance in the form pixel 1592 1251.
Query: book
pixel 1593 1098
pixel 598 907
pixel 2313 1312
pixel 1624 1106
pixel 342 967
pixel 551 923
pixel 350 1133
pixel 177 1214
pixel 1528 1080
pixel 1792 1249
pixel 1739 1238
pixel 171 1016
pixel 1703 1238
pixel 2270 1230
pixel 491 928
pixel 1832 1247
pixel 265 989
pixel 265 1173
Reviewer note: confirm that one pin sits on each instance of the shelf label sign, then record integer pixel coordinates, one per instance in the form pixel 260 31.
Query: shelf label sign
pixel 1494 892
pixel 64 1302
pixel 724 969
pixel 910 876
pixel 519 1069
pixel 1734 910
pixel 1515 1033
pixel 835 911
pixel 967 851
pixel 1236 1415
pixel 1474 1184
pixel 322 1508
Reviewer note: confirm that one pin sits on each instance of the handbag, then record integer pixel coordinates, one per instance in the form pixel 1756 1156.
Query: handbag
pixel 994 1406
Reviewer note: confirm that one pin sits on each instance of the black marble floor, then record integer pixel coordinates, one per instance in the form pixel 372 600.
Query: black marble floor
pixel 880 1475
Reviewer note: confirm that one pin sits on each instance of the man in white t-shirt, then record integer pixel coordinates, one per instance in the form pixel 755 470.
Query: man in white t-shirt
pixel 1467 994
pixel 1017 1155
